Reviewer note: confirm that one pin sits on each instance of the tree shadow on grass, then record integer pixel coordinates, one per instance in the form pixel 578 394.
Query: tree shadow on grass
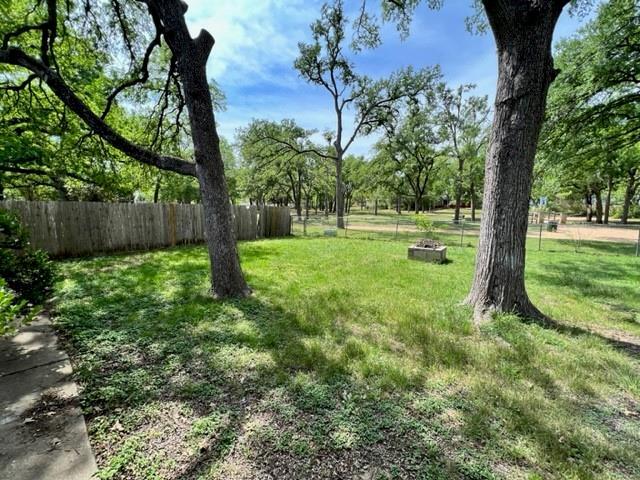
pixel 560 414
pixel 629 345
pixel 251 388
pixel 592 247
pixel 592 282
pixel 246 361
pixel 596 284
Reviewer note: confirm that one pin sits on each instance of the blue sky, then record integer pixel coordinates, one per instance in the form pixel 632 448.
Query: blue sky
pixel 256 44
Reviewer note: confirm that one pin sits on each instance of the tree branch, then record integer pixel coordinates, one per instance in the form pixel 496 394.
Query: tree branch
pixel 19 31
pixel 140 78
pixel 294 148
pixel 17 57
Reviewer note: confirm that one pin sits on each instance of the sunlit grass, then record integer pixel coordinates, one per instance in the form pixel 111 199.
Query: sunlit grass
pixel 350 358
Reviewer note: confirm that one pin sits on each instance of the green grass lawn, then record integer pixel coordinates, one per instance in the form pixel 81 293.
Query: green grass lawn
pixel 350 361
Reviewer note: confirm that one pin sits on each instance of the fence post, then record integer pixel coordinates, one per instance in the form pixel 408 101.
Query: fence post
pixel 540 237
pixel 462 233
pixel 397 223
pixel 638 244
pixel 304 226
pixel 346 226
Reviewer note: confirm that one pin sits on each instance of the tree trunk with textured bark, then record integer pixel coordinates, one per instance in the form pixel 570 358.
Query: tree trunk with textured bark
pixel 156 190
pixel 298 206
pixel 589 206
pixel 607 205
pixel 599 209
pixel 339 196
pixel 456 213
pixel 629 192
pixel 472 194
pixel 191 55
pixel 523 31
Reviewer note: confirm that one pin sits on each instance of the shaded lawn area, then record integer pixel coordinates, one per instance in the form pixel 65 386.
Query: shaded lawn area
pixel 352 362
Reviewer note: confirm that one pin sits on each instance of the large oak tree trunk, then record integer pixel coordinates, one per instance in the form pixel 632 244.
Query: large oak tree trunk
pixel 588 205
pixel 456 213
pixel 156 190
pixel 339 195
pixel 629 192
pixel 472 194
pixel 607 206
pixel 523 31
pixel 298 205
pixel 191 55
pixel 598 195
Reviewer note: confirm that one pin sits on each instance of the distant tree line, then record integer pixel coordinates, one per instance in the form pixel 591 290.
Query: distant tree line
pixel 589 155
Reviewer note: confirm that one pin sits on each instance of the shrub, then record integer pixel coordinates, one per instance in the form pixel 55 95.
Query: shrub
pixel 12 233
pixel 13 311
pixel 28 272
pixel 26 275
pixel 425 225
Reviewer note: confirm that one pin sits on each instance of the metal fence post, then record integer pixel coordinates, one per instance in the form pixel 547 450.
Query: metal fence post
pixel 397 223
pixel 462 233
pixel 638 244
pixel 540 238
pixel 304 226
pixel 346 226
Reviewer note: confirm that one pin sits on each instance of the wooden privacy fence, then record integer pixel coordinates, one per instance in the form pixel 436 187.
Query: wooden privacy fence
pixel 274 222
pixel 82 228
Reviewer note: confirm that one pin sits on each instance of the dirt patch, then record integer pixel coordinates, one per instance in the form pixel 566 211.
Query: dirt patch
pixel 589 232
pixel 620 339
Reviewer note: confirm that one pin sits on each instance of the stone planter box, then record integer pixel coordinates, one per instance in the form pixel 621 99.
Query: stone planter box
pixel 435 255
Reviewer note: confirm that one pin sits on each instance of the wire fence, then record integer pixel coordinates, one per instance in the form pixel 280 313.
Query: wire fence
pixel 547 236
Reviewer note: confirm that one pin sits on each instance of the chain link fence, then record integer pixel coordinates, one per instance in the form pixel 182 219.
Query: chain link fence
pixel 547 236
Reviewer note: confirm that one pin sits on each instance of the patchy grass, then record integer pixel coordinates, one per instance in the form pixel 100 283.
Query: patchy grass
pixel 350 361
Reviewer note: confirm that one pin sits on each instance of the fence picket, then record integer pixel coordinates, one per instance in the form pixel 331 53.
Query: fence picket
pixel 82 228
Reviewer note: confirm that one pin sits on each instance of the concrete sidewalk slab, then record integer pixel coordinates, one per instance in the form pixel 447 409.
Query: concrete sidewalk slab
pixel 43 432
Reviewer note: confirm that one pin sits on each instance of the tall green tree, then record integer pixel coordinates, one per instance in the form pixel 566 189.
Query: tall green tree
pixel 32 40
pixel 325 62
pixel 593 117
pixel 523 33
pixel 45 152
pixel 280 155
pixel 413 144
pixel 387 178
pixel 354 180
pixel 463 122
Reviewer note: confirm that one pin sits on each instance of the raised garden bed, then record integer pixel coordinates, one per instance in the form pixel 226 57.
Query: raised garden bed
pixel 428 250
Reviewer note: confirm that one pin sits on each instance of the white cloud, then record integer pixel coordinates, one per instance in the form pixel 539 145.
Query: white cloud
pixel 253 38
pixel 256 44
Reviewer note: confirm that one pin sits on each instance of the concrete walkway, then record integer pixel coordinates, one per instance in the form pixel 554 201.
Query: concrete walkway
pixel 41 426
